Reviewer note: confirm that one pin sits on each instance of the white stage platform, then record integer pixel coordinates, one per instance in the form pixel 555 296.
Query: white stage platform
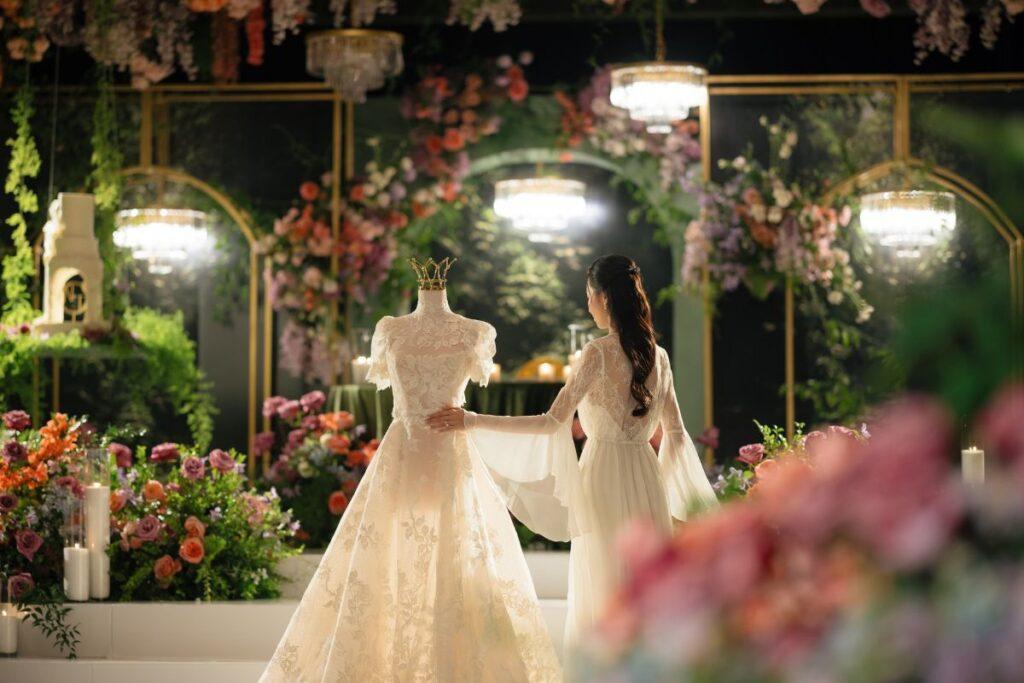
pixel 221 642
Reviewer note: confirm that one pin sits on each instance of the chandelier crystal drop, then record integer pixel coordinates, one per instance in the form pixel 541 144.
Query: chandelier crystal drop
pixel 354 61
pixel 540 206
pixel 908 222
pixel 161 236
pixel 658 93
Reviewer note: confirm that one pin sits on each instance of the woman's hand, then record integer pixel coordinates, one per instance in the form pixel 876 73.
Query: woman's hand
pixel 448 419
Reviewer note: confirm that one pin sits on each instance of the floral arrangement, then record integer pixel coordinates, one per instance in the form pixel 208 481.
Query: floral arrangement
pixel 39 469
pixel 758 230
pixel 310 272
pixel 865 560
pixel 318 460
pixel 755 459
pixel 590 120
pixel 187 527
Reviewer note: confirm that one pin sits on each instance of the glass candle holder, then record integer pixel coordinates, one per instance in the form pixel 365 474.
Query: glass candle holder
pixel 97 467
pixel 76 555
pixel 10 619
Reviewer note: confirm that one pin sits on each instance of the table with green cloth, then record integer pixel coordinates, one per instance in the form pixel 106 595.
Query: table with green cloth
pixel 373 408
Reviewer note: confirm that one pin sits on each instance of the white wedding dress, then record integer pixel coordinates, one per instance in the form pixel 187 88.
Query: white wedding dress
pixel 424 579
pixel 623 479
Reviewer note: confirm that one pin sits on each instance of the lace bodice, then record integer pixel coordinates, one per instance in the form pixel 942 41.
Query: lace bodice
pixel 428 357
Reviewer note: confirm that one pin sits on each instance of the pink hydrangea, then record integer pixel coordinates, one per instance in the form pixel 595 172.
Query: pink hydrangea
pixel 271 405
pixel 262 443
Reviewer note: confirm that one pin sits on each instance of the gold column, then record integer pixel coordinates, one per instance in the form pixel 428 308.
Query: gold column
pixel 708 371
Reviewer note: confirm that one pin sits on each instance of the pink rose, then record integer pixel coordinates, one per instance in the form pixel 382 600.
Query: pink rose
pixel 709 438
pixel 1001 424
pixel 271 405
pixel 222 461
pixel 15 451
pixel 876 8
pixel 8 501
pixel 20 585
pixel 296 437
pixel 262 443
pixel 148 528
pixel 165 452
pixel 751 454
pixel 29 542
pixel 288 410
pixel 122 454
pixel 313 401
pixel 193 468
pixel 17 420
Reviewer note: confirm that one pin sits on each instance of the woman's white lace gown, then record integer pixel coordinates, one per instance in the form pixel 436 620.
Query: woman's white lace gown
pixel 623 479
pixel 424 579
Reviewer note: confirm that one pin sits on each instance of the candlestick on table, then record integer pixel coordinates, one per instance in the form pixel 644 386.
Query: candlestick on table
pixel 76 573
pixel 9 621
pixel 972 463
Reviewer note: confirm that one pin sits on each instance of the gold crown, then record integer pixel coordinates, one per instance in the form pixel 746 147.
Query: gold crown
pixel 431 274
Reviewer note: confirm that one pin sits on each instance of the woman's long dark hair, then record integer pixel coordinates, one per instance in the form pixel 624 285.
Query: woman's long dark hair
pixel 618 278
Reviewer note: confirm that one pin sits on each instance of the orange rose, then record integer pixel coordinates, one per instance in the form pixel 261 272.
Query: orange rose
pixel 337 421
pixel 194 528
pixel 309 190
pixel 454 140
pixel 192 550
pixel 165 568
pixel 337 502
pixel 518 90
pixel 338 444
pixel 435 144
pixel 355 458
pixel 154 490
pixel 117 500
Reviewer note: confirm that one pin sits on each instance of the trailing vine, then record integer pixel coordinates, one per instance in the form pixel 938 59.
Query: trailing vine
pixel 48 613
pixel 24 165
pixel 105 182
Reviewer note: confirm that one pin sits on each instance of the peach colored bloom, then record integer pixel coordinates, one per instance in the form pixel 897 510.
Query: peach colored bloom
pixel 165 568
pixel 154 490
pixel 195 528
pixel 117 500
pixel 309 190
pixel 192 550
pixel 339 444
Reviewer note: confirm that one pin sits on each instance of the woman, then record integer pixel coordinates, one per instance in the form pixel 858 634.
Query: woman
pixel 623 388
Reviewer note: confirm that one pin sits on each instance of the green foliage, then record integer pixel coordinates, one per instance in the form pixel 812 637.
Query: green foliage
pixel 105 182
pixel 45 609
pixel 172 365
pixel 24 165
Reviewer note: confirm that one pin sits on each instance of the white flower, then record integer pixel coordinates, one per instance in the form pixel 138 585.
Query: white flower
pixel 775 214
pixel 406 164
pixel 785 152
pixel 305 470
pixel 739 163
pixel 835 298
pixel 783 197
pixel 758 212
pixel 865 313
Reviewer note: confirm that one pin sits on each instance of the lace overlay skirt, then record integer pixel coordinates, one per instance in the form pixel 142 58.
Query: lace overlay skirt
pixel 424 579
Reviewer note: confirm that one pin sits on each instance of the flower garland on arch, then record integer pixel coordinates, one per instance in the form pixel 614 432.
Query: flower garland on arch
pixel 452 110
pixel 757 230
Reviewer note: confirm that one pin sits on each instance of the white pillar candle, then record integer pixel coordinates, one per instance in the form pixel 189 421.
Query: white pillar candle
pixel 76 573
pixel 360 368
pixel 546 372
pixel 972 463
pixel 496 373
pixel 99 573
pixel 9 621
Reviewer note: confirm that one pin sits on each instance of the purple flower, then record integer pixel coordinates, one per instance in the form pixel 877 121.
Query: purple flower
pixel 29 542
pixel 222 461
pixel 148 528
pixel 20 585
pixel 122 454
pixel 289 410
pixel 193 468
pixel 271 405
pixel 165 452
pixel 15 451
pixel 262 443
pixel 17 420
pixel 313 401
pixel 8 501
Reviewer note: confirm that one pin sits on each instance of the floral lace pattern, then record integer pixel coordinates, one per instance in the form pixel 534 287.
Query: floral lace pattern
pixel 424 579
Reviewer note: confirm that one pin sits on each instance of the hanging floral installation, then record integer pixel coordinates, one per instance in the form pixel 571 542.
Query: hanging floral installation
pixel 312 273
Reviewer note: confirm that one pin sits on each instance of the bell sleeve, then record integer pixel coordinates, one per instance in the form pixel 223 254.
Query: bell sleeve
pixel 689 491
pixel 378 372
pixel 532 459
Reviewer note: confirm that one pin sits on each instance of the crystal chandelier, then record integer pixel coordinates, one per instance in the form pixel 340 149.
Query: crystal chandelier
pixel 658 93
pixel 908 221
pixel 540 206
pixel 354 61
pixel 161 236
